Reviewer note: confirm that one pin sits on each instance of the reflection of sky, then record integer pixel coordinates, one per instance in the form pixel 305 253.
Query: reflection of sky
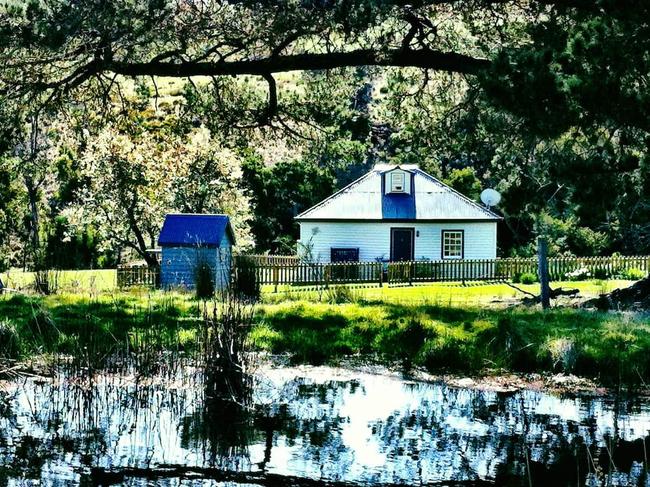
pixel 374 427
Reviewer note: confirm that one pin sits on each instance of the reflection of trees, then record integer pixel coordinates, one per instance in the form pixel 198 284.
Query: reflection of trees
pixel 442 434
pixel 513 447
pixel 306 414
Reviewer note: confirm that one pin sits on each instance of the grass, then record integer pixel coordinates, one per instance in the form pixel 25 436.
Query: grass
pixel 609 347
pixel 438 327
pixel 92 281
pixel 449 294
pixel 98 325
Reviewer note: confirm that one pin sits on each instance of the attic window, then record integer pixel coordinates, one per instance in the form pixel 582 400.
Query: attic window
pixel 397 182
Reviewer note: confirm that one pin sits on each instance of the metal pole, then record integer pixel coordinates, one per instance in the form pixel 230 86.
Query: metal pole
pixel 542 263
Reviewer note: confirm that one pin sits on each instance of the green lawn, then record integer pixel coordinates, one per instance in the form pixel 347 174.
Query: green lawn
pixel 99 280
pixel 438 327
pixel 449 294
pixel 453 294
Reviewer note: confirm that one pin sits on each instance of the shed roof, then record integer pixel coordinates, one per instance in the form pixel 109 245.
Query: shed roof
pixel 193 229
pixel 430 200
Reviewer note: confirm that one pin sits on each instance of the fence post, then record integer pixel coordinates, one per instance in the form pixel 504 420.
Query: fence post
pixel 542 263
pixel 276 271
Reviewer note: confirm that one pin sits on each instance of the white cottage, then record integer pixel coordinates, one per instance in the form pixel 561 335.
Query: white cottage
pixel 397 213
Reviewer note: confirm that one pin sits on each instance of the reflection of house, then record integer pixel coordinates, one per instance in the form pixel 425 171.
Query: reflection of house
pixel 397 213
pixel 190 240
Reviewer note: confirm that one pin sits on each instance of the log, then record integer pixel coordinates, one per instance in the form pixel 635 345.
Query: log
pixel 107 477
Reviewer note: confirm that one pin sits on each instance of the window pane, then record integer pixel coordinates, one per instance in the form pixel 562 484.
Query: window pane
pixel 452 244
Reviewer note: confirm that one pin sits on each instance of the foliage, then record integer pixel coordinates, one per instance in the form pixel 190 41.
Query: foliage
pixel 277 105
pixel 203 280
pixel 610 348
pixel 9 340
pixel 525 278
pixel 465 182
pixel 633 274
pixel 245 283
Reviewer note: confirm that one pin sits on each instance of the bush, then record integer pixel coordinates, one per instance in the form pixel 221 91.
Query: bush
pixel 203 281
pixel 580 274
pixel 528 278
pixel 341 294
pixel 245 283
pixel 601 273
pixel 632 274
pixel 563 353
pixel 42 328
pixel 9 340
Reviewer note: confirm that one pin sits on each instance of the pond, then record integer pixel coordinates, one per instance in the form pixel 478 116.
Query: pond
pixel 314 426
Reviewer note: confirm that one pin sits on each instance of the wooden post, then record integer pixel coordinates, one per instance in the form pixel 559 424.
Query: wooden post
pixel 276 271
pixel 542 266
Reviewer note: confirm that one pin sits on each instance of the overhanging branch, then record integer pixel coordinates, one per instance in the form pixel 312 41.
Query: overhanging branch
pixel 420 58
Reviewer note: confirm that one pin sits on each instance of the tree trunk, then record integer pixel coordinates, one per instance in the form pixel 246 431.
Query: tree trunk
pixel 34 217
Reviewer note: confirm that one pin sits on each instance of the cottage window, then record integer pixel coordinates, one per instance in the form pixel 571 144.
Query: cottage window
pixel 397 182
pixel 344 255
pixel 452 244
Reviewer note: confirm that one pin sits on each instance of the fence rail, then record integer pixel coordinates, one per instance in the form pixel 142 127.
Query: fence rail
pixel 137 275
pixel 264 259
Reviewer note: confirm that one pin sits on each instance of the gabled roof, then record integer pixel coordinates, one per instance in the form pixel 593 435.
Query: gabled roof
pixel 430 200
pixel 183 229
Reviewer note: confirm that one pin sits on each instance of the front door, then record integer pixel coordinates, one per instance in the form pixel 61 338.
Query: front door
pixel 401 243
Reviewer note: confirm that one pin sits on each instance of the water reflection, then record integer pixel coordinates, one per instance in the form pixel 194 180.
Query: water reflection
pixel 315 423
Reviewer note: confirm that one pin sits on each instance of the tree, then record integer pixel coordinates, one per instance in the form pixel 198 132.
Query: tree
pixel 210 181
pixel 142 166
pixel 131 174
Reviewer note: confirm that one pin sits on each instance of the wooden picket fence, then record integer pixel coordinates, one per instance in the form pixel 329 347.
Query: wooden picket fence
pixel 137 275
pixel 289 270
pixel 303 273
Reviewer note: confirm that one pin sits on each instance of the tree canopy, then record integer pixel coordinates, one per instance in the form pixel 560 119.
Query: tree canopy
pixel 546 100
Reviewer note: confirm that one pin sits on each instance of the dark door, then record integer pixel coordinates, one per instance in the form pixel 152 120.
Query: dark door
pixel 401 244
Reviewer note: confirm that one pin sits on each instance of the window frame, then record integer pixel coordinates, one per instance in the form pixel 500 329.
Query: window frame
pixel 443 234
pixel 354 250
pixel 401 174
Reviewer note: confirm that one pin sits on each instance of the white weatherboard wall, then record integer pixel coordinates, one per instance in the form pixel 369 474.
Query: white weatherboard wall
pixel 178 264
pixel 373 239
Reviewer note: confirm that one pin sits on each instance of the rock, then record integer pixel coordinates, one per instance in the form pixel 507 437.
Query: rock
pixel 465 382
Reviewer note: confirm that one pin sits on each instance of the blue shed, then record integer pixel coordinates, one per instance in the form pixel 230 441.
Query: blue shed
pixel 188 240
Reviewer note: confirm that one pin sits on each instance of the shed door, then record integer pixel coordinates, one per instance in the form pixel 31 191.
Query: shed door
pixel 401 243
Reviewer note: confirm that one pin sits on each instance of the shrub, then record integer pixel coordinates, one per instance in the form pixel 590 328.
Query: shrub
pixel 579 274
pixel 563 353
pixel 9 340
pixel 203 281
pixel 42 328
pixel 341 294
pixel 528 278
pixel 632 274
pixel 601 273
pixel 245 283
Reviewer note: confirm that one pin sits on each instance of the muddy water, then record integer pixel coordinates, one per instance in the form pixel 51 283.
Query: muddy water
pixel 317 423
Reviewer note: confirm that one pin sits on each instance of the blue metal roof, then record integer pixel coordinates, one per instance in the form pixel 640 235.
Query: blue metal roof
pixel 191 229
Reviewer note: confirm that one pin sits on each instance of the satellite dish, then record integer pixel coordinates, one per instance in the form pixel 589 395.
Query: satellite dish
pixel 490 197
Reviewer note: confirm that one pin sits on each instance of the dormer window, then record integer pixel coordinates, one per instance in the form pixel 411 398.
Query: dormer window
pixel 397 181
